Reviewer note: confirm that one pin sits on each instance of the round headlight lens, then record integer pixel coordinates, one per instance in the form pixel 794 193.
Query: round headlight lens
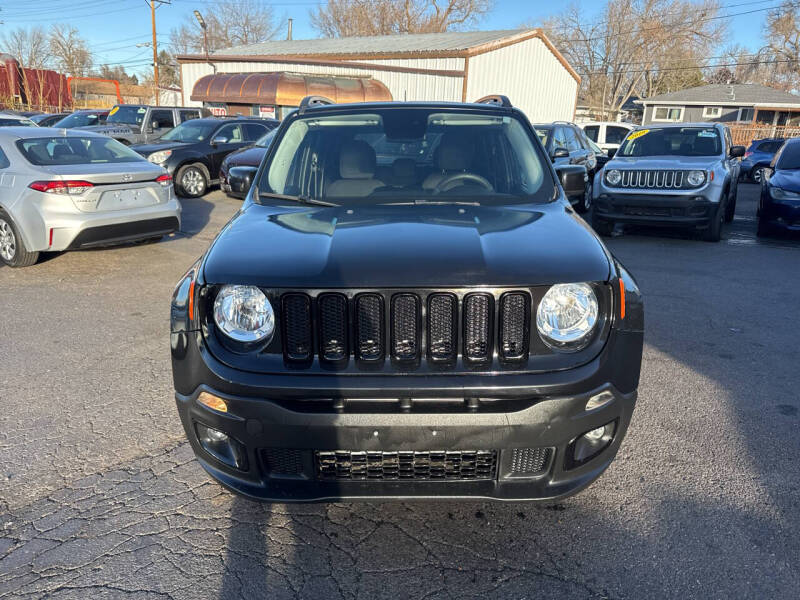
pixel 695 177
pixel 567 315
pixel 243 313
pixel 613 177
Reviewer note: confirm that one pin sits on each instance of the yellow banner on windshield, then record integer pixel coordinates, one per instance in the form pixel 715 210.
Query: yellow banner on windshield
pixel 638 134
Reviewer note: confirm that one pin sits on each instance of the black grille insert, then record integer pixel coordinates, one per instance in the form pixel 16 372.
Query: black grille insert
pixel 333 328
pixel 410 465
pixel 514 325
pixel 477 327
pixel 530 461
pixel 405 327
pixel 442 327
pixel 298 344
pixel 282 461
pixel 369 327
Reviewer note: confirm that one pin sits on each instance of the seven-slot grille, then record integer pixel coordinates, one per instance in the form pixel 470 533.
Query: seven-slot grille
pixel 420 465
pixel 653 179
pixel 434 326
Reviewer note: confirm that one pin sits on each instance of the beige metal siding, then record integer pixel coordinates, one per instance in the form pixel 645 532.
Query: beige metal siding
pixel 530 75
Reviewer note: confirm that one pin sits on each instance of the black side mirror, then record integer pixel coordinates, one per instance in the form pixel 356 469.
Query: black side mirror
pixel 737 151
pixel 241 178
pixel 612 152
pixel 573 179
pixel 559 153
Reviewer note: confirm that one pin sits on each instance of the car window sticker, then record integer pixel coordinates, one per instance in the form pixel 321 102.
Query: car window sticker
pixel 637 134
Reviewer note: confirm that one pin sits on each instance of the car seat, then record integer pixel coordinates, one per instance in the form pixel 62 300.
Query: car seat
pixel 454 155
pixel 357 171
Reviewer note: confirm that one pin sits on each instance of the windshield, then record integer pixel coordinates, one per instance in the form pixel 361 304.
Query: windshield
pixel 672 141
pixel 127 113
pixel 402 155
pixel 789 156
pixel 544 134
pixel 190 132
pixel 74 150
pixel 80 120
pixel 266 139
pixel 5 122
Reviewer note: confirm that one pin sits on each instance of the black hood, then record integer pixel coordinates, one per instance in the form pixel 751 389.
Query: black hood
pixel 156 146
pixel 246 157
pixel 405 246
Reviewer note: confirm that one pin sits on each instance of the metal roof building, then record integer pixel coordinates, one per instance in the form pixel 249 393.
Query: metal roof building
pixel 451 66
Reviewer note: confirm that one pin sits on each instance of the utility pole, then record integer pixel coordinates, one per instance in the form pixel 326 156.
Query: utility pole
pixel 152 4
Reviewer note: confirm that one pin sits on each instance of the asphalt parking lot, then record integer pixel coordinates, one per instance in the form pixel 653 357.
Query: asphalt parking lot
pixel 100 496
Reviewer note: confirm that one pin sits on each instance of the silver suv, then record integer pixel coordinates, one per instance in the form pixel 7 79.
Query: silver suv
pixel 139 124
pixel 679 175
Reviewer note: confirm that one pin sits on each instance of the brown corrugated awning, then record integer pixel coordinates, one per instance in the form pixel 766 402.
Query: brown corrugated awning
pixel 286 89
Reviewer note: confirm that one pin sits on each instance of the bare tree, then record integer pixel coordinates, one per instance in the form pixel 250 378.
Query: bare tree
pixel 345 18
pixel 229 23
pixel 637 47
pixel 29 46
pixel 70 52
pixel 782 34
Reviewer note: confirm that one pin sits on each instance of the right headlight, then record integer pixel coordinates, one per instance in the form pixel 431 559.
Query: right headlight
pixel 696 178
pixel 613 177
pixel 243 313
pixel 567 316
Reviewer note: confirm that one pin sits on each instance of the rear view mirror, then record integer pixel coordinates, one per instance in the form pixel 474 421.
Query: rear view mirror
pixel 241 178
pixel 737 151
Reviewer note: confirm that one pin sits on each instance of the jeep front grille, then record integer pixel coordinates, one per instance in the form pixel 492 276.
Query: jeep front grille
pixel 653 179
pixel 406 465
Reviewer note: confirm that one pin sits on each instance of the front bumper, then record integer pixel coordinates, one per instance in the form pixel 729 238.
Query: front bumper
pixel 784 214
pixel 671 210
pixel 298 416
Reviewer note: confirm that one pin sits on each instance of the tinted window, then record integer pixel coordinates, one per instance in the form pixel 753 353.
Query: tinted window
pixel 254 131
pixel 615 135
pixel 188 115
pixel 770 147
pixel 61 150
pixel 232 133
pixel 266 140
pixel 4 162
pixel 592 131
pixel 672 141
pixel 190 132
pixel 572 140
pixel 544 134
pixel 162 118
pixel 127 113
pixel 789 158
pixel 80 120
pixel 559 138
pixel 17 123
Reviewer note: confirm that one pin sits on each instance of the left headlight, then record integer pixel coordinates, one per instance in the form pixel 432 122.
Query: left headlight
pixel 243 313
pixel 567 316
pixel 696 178
pixel 160 156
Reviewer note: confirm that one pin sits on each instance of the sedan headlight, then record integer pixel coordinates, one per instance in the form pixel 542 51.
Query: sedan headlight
pixel 243 313
pixel 696 178
pixel 160 156
pixel 567 316
pixel 613 177
pixel 782 194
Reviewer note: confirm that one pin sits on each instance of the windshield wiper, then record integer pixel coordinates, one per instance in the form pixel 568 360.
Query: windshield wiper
pixel 300 199
pixel 420 201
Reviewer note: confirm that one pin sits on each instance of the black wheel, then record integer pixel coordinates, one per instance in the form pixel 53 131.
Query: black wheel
pixel 730 209
pixel 714 231
pixel 584 204
pixel 12 248
pixel 755 174
pixel 601 226
pixel 191 181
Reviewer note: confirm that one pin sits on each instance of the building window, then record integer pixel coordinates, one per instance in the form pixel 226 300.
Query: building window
pixel 668 113
pixel 745 114
pixel 712 112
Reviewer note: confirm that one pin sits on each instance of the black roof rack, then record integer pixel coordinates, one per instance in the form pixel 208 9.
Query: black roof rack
pixel 496 100
pixel 312 101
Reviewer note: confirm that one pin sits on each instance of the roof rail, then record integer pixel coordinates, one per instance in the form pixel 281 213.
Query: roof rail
pixel 496 100
pixel 313 101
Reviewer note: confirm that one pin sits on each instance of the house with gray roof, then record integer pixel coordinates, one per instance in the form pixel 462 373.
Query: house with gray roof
pixel 748 103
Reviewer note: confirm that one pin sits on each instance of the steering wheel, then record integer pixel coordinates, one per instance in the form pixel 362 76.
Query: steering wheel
pixel 447 183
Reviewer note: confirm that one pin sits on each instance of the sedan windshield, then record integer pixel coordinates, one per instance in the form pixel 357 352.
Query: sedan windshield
pixel 4 122
pixel 128 114
pixel 80 120
pixel 672 141
pixel 74 150
pixel 266 140
pixel 190 132
pixel 789 157
pixel 407 155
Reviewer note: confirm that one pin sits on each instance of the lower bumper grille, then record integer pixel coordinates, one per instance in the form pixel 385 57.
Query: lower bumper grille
pixel 406 465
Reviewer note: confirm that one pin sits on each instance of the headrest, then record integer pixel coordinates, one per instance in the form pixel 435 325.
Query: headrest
pixel 454 153
pixel 357 160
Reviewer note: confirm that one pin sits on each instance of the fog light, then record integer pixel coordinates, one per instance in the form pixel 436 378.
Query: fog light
pixel 588 445
pixel 221 446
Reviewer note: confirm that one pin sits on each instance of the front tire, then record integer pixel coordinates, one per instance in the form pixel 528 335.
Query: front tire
pixel 191 181
pixel 585 203
pixel 601 226
pixel 12 248
pixel 730 209
pixel 714 231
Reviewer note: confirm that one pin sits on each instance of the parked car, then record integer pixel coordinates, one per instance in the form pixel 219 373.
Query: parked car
pixel 48 119
pixel 249 157
pixel 82 118
pixel 680 175
pixel 138 123
pixel 779 204
pixel 759 155
pixel 456 334
pixel 76 189
pixel 600 155
pixel 8 119
pixel 193 152
pixel 566 145
pixel 609 135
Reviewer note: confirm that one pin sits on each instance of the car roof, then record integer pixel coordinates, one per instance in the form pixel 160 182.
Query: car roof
pixel 620 123
pixel 7 115
pixel 16 133
pixel 358 106
pixel 670 125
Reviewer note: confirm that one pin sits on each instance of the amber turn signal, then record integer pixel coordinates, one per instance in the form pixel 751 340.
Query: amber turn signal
pixel 621 299
pixel 213 402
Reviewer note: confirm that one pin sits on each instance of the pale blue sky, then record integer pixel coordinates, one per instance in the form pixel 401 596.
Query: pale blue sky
pixel 114 27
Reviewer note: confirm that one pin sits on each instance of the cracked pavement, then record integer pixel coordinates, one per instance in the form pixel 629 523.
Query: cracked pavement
pixel 100 495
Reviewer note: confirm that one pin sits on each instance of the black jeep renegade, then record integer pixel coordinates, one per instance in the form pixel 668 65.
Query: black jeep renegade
pixel 406 306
